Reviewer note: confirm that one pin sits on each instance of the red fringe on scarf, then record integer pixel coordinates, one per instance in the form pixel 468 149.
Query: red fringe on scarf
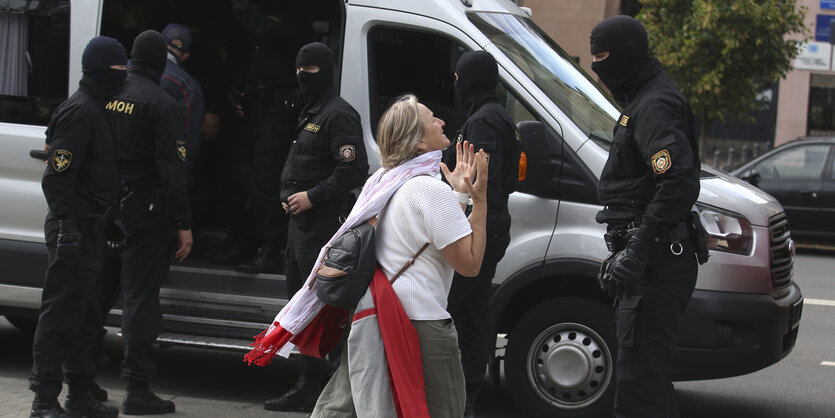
pixel 266 346
pixel 317 339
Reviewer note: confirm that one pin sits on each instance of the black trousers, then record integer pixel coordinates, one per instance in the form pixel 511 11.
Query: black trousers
pixel 468 303
pixel 136 274
pixel 70 319
pixel 647 328
pixel 303 246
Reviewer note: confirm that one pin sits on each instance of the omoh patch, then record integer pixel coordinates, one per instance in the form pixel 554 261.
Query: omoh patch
pixel 61 160
pixel 182 154
pixel 347 153
pixel 661 162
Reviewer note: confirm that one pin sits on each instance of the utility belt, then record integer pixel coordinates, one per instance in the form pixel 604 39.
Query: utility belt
pixel 139 206
pixel 675 237
pixel 96 223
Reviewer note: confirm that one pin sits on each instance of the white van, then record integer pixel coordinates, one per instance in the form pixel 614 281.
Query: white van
pixel 558 325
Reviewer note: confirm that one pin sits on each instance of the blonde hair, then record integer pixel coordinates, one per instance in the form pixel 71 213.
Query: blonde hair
pixel 400 131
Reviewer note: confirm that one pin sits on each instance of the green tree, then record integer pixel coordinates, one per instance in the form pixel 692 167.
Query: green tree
pixel 719 52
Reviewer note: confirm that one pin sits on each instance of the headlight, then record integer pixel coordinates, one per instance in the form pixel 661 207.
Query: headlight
pixel 727 231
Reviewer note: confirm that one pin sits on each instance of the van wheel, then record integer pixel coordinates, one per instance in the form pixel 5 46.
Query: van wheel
pixel 27 325
pixel 561 359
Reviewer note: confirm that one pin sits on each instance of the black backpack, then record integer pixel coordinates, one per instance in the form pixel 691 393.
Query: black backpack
pixel 348 267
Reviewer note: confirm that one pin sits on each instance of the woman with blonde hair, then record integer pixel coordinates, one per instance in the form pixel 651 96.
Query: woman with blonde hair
pixel 402 355
pixel 422 212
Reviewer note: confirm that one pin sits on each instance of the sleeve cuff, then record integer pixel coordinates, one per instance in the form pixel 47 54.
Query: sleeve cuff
pixel 315 196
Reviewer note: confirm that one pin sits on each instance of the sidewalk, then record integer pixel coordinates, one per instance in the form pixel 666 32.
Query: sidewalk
pixel 16 399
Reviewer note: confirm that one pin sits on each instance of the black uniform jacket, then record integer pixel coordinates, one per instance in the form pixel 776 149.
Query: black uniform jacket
pixel 150 143
pixel 81 178
pixel 327 157
pixel 652 174
pixel 490 128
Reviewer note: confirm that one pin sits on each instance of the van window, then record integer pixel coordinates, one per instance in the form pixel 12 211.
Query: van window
pixel 517 110
pixel 410 61
pixel 553 70
pixel 34 46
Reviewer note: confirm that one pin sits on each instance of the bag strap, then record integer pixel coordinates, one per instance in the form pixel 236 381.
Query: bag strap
pixel 409 264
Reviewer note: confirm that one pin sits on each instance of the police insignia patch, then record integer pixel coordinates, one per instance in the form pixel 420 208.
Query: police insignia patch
pixel 661 162
pixel 181 150
pixel 347 153
pixel 624 120
pixel 61 160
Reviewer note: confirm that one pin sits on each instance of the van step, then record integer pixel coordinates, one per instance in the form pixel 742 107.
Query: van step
pixel 233 344
pixel 206 342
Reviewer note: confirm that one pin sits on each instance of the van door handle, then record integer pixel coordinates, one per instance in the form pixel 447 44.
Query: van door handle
pixel 808 193
pixel 39 154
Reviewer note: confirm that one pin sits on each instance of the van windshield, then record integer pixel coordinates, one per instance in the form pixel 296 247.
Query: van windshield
pixel 553 70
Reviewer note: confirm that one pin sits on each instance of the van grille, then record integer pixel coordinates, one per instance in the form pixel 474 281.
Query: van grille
pixel 782 262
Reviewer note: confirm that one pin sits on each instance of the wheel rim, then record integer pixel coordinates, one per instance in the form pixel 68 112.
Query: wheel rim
pixel 569 366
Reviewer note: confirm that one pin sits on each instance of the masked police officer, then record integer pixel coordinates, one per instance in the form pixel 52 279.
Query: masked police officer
pixel 326 161
pixel 81 187
pixel 489 127
pixel 647 187
pixel 152 155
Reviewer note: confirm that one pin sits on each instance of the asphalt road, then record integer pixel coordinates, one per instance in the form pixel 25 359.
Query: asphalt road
pixel 206 383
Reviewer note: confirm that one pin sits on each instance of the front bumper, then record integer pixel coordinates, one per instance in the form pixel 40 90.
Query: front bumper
pixel 723 334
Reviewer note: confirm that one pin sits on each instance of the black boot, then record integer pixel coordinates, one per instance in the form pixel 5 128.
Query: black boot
pixel 313 375
pixel 298 398
pixel 98 392
pixel 46 407
pixel 82 403
pixel 267 259
pixel 139 400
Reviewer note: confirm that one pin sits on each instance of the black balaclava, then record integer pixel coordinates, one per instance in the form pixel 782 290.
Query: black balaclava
pixel 478 75
pixel 315 85
pixel 102 52
pixel 149 53
pixel 626 40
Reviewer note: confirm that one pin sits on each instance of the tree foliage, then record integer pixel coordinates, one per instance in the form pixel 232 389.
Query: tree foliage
pixel 719 52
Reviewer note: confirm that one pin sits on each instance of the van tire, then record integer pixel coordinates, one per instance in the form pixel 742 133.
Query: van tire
pixel 571 335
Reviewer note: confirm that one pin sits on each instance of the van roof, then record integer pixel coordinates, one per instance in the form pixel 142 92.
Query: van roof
pixel 431 8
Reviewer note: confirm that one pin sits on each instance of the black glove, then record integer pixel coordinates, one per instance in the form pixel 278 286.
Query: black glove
pixel 627 268
pixel 69 241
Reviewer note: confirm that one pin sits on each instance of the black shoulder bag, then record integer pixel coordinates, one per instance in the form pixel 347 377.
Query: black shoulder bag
pixel 348 267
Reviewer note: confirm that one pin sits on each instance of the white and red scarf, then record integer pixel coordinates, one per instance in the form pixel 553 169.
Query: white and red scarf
pixel 306 322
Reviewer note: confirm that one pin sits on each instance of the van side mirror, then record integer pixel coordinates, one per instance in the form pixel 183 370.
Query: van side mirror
pixel 535 166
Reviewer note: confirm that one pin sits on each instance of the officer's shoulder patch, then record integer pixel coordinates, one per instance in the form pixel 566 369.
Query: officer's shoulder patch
pixel 61 160
pixel 347 153
pixel 182 153
pixel 624 120
pixel 312 127
pixel 661 162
